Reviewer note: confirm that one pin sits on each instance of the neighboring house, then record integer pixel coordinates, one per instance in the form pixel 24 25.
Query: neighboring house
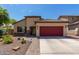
pixel 73 24
pixel 35 25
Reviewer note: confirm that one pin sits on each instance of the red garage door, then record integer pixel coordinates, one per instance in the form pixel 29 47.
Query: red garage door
pixel 51 31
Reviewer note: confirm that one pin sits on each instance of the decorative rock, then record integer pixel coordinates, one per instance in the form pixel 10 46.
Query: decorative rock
pixel 1 40
pixel 23 41
pixel 18 38
pixel 16 48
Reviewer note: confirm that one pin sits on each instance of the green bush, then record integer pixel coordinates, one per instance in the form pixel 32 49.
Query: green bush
pixel 7 39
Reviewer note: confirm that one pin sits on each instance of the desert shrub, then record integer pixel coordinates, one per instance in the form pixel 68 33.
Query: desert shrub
pixel 23 41
pixel 7 39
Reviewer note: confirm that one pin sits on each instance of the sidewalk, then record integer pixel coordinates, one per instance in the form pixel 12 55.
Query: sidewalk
pixel 72 36
pixel 34 48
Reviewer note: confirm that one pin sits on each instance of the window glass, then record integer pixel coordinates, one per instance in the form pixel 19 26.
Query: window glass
pixel 19 29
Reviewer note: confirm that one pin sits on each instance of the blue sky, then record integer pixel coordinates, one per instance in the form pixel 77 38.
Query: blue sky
pixel 47 11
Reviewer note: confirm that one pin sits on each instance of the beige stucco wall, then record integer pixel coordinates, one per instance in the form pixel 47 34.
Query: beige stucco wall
pixel 64 18
pixel 73 29
pixel 51 24
pixel 21 23
pixel 72 32
pixel 31 22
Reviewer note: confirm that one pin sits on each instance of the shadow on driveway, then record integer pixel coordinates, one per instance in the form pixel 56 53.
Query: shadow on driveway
pixel 53 37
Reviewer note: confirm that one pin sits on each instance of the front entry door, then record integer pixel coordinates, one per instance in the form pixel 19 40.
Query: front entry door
pixel 33 31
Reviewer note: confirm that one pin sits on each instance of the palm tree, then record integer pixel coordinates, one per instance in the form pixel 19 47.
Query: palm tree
pixel 4 16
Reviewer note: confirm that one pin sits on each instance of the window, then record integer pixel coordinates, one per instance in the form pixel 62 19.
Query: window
pixel 71 27
pixel 19 29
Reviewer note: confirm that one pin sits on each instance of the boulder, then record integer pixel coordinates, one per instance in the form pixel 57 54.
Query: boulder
pixel 1 40
pixel 16 48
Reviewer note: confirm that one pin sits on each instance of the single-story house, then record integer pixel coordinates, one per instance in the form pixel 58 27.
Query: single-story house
pixel 35 25
pixel 73 25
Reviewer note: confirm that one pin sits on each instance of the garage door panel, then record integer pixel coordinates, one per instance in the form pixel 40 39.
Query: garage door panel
pixel 51 31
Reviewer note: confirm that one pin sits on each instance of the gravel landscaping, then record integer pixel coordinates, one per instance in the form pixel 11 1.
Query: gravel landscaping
pixel 6 49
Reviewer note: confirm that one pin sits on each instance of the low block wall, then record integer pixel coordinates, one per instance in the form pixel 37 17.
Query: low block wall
pixel 72 32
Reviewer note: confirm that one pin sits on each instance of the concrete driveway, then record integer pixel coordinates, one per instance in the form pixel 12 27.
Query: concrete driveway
pixel 59 45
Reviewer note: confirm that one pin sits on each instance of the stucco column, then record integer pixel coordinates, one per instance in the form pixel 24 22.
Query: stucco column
pixel 15 29
pixel 28 30
pixel 37 31
pixel 77 31
pixel 65 30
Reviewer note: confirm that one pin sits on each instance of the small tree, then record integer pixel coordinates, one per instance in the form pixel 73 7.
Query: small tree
pixel 12 21
pixel 5 19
